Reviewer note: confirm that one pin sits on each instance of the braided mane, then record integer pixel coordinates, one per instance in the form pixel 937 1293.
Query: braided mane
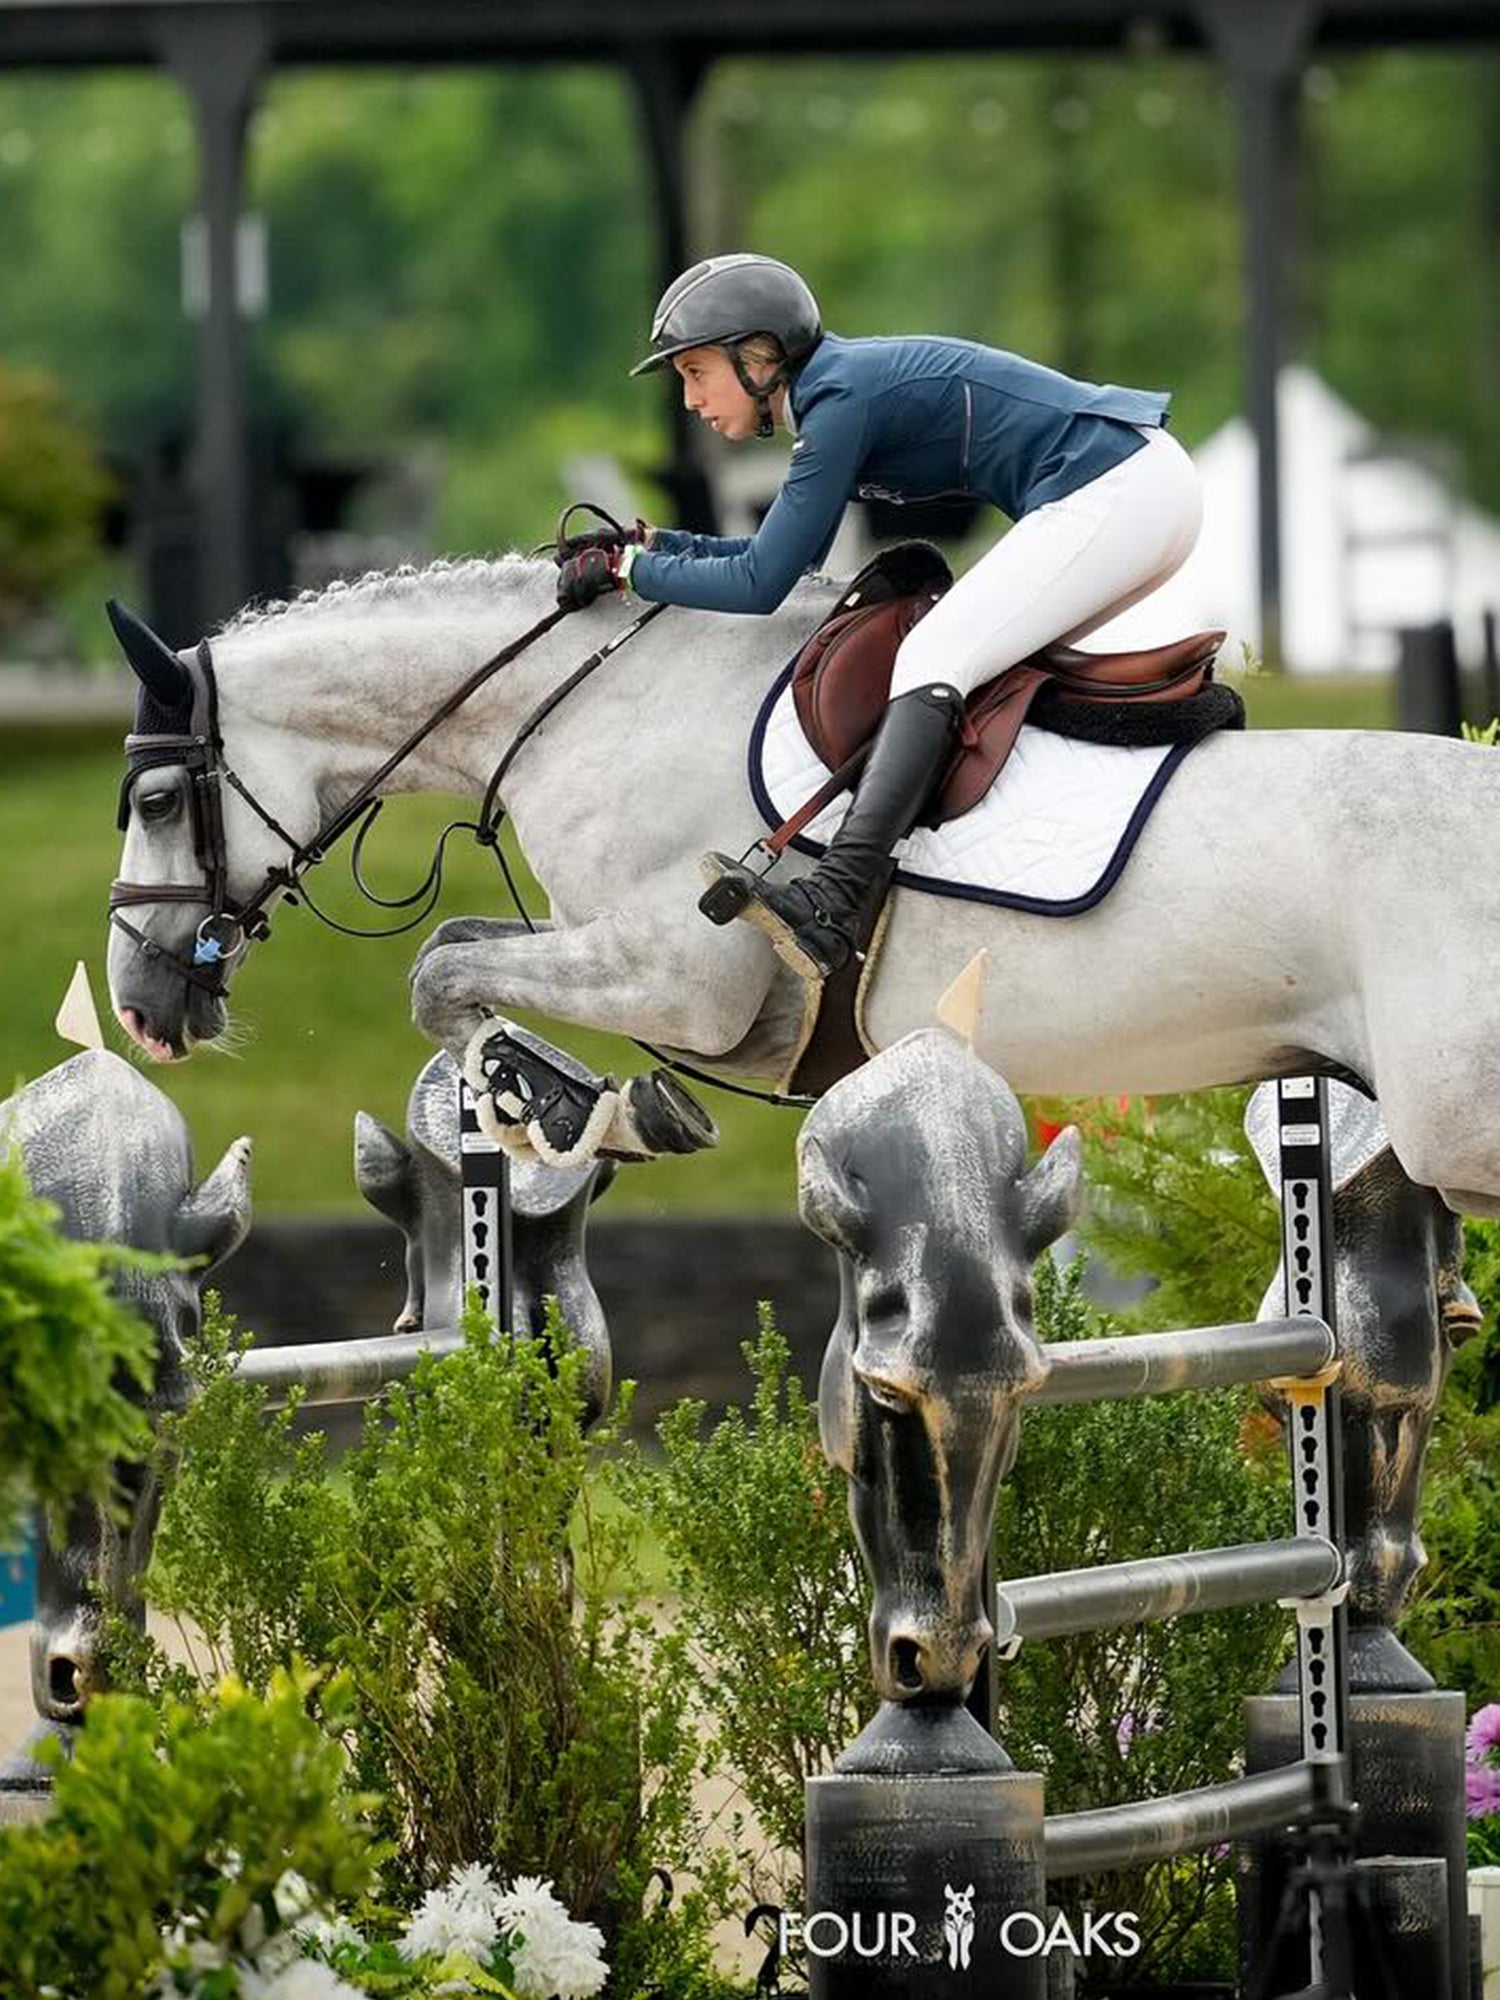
pixel 397 589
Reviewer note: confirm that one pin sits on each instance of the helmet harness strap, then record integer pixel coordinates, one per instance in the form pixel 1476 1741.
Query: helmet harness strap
pixel 760 393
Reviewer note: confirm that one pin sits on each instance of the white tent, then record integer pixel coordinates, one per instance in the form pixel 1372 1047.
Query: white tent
pixel 1372 539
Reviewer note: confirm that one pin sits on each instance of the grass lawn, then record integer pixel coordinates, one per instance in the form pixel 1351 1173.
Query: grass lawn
pixel 326 1016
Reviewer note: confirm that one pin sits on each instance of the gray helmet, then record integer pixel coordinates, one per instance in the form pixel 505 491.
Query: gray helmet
pixel 725 300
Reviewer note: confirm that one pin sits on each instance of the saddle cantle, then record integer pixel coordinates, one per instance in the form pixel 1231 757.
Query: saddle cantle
pixel 841 681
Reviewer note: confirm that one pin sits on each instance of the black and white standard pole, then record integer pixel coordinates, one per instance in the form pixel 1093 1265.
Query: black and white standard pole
pixel 1314 1427
pixel 488 1256
pixel 1402 1918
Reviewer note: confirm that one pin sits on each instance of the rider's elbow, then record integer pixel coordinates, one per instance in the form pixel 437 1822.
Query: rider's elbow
pixel 767 594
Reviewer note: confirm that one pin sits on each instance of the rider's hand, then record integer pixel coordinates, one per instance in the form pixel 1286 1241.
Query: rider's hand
pixel 584 577
pixel 608 539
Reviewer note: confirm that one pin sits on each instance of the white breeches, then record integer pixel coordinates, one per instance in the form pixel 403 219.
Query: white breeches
pixel 1061 571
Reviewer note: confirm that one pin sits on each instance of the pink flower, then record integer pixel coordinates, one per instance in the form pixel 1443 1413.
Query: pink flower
pixel 1482 1790
pixel 1484 1734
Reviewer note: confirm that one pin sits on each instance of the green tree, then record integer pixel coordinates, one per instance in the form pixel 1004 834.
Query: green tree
pixel 52 489
pixel 68 1353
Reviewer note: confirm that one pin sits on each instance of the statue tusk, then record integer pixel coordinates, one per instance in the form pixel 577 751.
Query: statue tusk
pixel 77 1017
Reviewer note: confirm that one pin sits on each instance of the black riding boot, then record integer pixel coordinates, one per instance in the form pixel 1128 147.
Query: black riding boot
pixel 811 921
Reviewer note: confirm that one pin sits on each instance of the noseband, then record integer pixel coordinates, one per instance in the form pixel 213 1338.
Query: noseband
pixel 229 926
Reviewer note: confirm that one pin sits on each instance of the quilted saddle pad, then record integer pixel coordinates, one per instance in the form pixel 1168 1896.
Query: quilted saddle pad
pixel 1051 835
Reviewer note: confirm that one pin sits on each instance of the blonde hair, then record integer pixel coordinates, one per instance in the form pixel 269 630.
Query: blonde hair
pixel 763 348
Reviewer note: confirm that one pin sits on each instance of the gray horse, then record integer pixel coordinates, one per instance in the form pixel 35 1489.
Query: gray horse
pixel 114 1155
pixel 914 1170
pixel 1318 900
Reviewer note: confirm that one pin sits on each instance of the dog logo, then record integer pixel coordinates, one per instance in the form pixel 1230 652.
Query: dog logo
pixel 958 1926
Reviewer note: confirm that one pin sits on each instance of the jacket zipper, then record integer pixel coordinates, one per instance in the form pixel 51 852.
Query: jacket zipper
pixel 959 492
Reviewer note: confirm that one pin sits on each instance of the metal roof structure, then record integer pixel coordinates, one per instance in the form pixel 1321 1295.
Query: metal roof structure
pixel 222 50
pixel 344 31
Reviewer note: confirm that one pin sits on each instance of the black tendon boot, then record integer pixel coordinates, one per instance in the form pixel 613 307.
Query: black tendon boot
pixel 811 921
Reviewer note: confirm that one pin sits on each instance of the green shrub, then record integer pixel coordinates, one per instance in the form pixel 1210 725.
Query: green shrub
pixel 1148 1709
pixel 1452 1620
pixel 507 1707
pixel 69 1351
pixel 772 1594
pixel 1176 1193
pixel 178 1813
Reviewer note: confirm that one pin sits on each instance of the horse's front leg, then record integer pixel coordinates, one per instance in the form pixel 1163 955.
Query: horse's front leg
pixel 475 930
pixel 627 974
pixel 620 975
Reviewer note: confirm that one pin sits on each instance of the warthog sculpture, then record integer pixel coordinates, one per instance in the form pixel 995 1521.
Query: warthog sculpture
pixel 414 1182
pixel 1402 1307
pixel 113 1153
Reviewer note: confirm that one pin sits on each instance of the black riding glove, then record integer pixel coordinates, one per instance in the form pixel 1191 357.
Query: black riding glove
pixel 608 539
pixel 583 578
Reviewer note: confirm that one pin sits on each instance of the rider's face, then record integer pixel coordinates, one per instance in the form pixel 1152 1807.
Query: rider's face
pixel 711 390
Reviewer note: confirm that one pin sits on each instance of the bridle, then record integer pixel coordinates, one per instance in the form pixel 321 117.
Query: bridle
pixel 230 927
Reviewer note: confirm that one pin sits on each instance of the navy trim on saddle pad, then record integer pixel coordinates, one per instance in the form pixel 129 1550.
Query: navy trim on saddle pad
pixel 1009 899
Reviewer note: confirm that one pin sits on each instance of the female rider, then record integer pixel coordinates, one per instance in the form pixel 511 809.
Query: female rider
pixel 1105 504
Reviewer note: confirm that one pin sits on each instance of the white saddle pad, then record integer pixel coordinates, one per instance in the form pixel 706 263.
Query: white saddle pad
pixel 1051 835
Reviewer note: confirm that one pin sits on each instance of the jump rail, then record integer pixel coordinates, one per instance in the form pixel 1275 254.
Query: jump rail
pixel 1085 1843
pixel 1154 1587
pixel 342 1371
pixel 1201 1357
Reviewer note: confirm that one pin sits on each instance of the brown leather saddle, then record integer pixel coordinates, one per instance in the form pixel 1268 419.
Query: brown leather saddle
pixel 841 683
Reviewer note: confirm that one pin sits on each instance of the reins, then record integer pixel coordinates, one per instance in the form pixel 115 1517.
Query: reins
pixel 229 928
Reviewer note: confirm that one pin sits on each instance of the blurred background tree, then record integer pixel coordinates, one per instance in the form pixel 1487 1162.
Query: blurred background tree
pixel 462 262
pixel 52 493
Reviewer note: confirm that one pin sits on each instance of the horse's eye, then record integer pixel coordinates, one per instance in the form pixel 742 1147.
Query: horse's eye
pixel 157 806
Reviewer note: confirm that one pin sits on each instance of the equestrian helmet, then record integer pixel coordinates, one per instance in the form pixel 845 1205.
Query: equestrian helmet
pixel 725 300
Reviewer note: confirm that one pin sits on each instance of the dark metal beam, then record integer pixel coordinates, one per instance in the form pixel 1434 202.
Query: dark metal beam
pixel 666 82
pixel 96 32
pixel 1263 49
pixel 220 59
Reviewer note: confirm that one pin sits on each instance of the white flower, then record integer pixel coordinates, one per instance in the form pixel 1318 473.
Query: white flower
pixel 556 1955
pixel 448 1923
pixel 304 1979
pixel 474 1885
pixel 292 1897
pixel 201 1953
pixel 327 1933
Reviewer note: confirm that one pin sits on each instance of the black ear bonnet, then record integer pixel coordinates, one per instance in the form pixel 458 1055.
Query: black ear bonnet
pixel 164 706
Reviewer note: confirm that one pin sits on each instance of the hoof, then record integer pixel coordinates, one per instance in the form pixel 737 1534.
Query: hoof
pixel 667 1117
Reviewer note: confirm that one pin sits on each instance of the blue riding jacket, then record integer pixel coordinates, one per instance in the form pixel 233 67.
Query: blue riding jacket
pixel 903 419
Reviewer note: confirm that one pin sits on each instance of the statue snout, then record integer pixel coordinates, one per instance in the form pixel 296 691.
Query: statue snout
pixel 914 1658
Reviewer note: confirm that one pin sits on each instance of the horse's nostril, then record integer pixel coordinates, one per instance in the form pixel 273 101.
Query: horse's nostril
pixel 906 1665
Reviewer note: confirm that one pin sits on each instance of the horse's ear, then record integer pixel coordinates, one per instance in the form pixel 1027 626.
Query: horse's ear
pixel 155 664
pixel 1051 1195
